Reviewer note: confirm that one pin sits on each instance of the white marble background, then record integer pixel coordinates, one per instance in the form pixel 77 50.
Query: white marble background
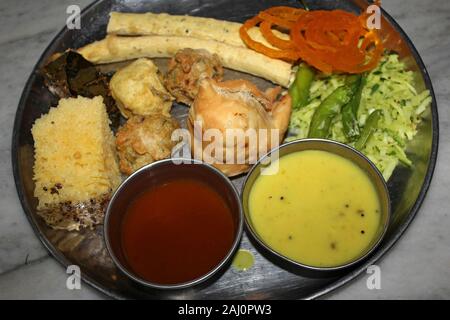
pixel 417 267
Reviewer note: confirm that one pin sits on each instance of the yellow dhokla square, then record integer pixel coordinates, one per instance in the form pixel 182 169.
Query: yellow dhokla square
pixel 75 162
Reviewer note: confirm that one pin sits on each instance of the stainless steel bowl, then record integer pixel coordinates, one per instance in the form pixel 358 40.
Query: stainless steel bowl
pixel 333 147
pixel 158 173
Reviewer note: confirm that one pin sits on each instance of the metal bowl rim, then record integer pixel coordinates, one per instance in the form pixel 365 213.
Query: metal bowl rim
pixel 209 274
pixel 361 156
pixel 426 180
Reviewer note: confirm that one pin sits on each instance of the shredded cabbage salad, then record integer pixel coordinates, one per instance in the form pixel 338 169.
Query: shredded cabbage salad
pixel 389 87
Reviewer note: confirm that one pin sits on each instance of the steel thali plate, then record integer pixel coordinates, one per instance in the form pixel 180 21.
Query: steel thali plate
pixel 268 278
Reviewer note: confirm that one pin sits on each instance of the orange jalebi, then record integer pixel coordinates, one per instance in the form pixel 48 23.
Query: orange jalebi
pixel 266 30
pixel 336 41
pixel 282 17
pixel 328 40
pixel 289 55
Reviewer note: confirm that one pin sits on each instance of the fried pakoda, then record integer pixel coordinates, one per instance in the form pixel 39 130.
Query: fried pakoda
pixel 187 68
pixel 138 90
pixel 143 140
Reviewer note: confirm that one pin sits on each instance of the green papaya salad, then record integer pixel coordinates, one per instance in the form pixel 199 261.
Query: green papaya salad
pixel 376 113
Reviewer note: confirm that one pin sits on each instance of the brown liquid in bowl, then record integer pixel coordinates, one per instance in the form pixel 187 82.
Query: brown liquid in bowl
pixel 176 232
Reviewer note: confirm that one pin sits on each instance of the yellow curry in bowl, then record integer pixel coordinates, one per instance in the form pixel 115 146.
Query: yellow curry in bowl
pixel 319 209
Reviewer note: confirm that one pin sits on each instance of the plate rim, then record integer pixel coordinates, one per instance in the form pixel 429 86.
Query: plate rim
pixel 340 282
pixel 346 279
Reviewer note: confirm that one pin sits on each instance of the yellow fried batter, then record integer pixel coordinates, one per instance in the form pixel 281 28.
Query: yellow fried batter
pixel 138 90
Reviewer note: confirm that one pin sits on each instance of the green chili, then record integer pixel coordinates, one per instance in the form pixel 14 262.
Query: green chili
pixel 369 128
pixel 327 110
pixel 299 89
pixel 350 110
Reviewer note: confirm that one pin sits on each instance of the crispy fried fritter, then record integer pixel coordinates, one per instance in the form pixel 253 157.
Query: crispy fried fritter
pixel 187 68
pixel 143 140
pixel 138 90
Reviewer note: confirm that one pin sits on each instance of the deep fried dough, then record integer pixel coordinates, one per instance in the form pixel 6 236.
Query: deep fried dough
pixel 138 90
pixel 238 104
pixel 143 140
pixel 187 68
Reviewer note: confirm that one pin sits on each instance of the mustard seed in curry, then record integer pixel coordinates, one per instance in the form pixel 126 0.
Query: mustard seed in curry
pixel 333 213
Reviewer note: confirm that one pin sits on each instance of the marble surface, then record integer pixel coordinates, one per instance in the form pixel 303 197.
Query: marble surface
pixel 418 267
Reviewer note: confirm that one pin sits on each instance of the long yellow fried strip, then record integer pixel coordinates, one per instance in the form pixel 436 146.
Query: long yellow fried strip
pixel 163 24
pixel 116 48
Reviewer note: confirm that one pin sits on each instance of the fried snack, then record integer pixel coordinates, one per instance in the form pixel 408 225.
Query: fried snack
pixel 143 140
pixel 237 105
pixel 75 169
pixel 138 90
pixel 163 24
pixel 115 49
pixel 185 71
pixel 68 74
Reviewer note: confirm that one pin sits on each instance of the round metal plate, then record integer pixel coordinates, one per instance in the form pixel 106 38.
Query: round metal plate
pixel 268 278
